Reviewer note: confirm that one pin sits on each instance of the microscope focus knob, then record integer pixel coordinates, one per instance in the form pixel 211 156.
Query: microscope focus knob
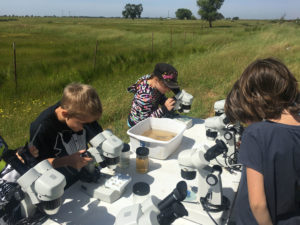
pixel 228 136
pixel 211 179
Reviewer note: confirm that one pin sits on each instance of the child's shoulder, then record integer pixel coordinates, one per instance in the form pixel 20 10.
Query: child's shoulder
pixel 47 118
pixel 269 128
pixel 141 86
pixel 258 127
pixel 143 81
pixel 48 112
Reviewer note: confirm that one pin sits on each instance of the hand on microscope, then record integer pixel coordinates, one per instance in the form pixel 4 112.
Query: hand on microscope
pixel 76 160
pixel 32 150
pixel 170 103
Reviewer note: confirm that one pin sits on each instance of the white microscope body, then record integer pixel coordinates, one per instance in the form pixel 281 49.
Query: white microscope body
pixel 183 102
pixel 209 196
pixel 140 214
pixel 152 211
pixel 105 150
pixel 219 128
pixel 43 186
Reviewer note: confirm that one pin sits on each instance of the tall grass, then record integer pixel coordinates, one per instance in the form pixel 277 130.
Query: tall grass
pixel 52 52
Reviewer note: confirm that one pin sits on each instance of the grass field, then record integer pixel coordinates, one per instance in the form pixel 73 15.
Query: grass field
pixel 52 52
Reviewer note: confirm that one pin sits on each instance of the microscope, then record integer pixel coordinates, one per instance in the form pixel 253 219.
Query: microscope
pixel 43 187
pixel 105 150
pixel 40 187
pixel 219 128
pixel 183 102
pixel 206 202
pixel 152 211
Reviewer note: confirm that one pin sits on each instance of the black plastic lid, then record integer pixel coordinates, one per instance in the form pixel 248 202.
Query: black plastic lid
pixel 142 151
pixel 141 188
pixel 126 147
pixel 188 175
pixel 211 134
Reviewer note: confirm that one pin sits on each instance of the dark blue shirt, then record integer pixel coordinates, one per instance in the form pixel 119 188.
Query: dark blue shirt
pixel 273 150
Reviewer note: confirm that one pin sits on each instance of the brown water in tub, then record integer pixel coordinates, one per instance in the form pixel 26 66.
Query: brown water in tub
pixel 161 135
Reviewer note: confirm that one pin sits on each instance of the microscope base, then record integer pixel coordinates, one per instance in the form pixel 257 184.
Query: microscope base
pixel 199 216
pixel 184 119
pixel 108 188
pixel 99 191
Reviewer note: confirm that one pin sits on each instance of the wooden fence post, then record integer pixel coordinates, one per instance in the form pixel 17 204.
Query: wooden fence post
pixel 95 55
pixel 152 44
pixel 171 38
pixel 15 64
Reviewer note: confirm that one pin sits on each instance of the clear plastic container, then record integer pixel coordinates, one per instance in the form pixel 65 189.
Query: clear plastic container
pixel 125 157
pixel 142 160
pixel 158 149
pixel 140 191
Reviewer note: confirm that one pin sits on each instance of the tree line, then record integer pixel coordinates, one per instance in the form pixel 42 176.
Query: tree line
pixel 208 10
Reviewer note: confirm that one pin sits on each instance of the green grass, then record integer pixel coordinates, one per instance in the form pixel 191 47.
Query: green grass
pixel 52 52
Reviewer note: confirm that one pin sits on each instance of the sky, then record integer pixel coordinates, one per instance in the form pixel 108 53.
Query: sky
pixel 244 9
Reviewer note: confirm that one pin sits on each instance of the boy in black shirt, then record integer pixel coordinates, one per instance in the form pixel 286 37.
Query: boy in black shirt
pixel 61 132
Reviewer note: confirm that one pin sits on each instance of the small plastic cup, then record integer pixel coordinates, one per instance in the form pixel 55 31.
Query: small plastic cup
pixel 125 156
pixel 142 160
pixel 140 192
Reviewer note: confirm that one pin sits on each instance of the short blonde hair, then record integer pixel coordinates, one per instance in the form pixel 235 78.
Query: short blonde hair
pixel 81 101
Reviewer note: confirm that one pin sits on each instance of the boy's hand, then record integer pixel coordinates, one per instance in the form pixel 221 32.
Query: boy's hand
pixel 170 103
pixel 77 161
pixel 20 158
pixel 33 151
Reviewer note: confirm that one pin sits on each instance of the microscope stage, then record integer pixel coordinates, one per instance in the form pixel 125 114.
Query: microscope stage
pixel 184 119
pixel 198 215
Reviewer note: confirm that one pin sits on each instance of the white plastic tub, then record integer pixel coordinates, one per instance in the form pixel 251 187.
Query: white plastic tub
pixel 157 149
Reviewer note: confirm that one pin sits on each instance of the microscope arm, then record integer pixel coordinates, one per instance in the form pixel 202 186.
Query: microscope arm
pixel 105 150
pixel 209 181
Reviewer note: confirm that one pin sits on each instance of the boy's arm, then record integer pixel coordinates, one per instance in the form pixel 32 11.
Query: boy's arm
pixel 257 197
pixel 75 160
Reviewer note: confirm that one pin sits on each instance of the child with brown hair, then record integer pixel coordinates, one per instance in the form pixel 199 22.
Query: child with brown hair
pixel 149 93
pixel 267 98
pixel 61 132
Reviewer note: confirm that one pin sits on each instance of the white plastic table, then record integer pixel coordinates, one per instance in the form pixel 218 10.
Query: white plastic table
pixel 163 175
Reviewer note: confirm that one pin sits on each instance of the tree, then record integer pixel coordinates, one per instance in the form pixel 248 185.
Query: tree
pixel 184 14
pixel 132 11
pixel 209 9
pixel 220 16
